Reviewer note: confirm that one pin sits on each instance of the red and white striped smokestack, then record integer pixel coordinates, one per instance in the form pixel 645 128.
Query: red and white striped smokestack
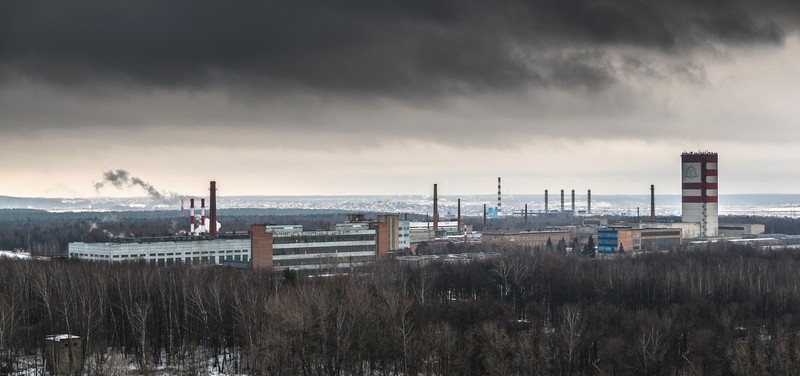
pixel 499 203
pixel 435 209
pixel 213 199
pixel 203 214
pixel 191 217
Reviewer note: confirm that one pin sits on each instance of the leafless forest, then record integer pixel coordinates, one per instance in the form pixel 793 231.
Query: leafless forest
pixel 732 310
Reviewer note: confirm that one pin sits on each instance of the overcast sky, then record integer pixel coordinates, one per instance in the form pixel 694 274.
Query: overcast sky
pixel 388 97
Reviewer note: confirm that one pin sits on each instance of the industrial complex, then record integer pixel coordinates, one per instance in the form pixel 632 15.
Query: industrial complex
pixel 358 241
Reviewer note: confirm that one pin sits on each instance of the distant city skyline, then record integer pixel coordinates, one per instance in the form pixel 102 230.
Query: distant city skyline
pixel 385 98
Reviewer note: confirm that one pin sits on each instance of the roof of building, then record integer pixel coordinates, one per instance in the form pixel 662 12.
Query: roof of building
pixel 61 337
pixel 17 255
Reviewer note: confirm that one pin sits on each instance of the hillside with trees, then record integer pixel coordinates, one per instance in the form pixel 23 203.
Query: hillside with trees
pixel 726 310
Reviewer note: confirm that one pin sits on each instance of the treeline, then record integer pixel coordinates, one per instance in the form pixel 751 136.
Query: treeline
pixel 731 311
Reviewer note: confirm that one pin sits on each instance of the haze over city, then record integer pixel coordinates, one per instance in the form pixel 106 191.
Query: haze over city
pixel 321 98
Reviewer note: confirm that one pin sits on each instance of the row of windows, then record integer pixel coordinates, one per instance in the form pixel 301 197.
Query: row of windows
pixel 143 255
pixel 660 233
pixel 305 251
pixel 202 260
pixel 322 238
pixel 318 261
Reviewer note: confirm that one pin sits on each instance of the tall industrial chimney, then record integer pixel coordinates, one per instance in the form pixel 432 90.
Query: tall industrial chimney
pixel 526 217
pixel 191 217
pixel 484 215
pixel 562 200
pixel 546 210
pixel 573 201
pixel 213 199
pixel 435 209
pixel 499 203
pixel 652 203
pixel 589 202
pixel 459 215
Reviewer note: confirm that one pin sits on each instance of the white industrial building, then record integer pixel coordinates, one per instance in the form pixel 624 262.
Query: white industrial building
pixel 405 234
pixel 166 251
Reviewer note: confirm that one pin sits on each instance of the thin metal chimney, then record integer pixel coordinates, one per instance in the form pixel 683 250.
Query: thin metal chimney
pixel 526 217
pixel 562 200
pixel 652 203
pixel 435 209
pixel 589 202
pixel 499 203
pixel 459 215
pixel 213 198
pixel 546 210
pixel 573 200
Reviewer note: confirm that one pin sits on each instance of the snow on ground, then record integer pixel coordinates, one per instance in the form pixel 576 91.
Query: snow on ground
pixel 12 254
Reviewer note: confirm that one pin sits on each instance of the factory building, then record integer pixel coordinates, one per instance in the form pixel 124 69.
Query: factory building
pixel 166 251
pixel 316 249
pixel 353 243
pixel 731 229
pixel 623 238
pixel 527 239
pixel 428 231
pixel 688 230
pixel 700 191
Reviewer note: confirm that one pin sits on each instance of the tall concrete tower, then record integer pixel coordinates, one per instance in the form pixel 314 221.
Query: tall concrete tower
pixel 699 184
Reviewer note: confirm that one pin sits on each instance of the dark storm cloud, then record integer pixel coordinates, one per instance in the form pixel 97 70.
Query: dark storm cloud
pixel 393 48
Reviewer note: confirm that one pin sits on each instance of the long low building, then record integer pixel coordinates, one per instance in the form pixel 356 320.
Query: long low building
pixel 529 239
pixel 279 247
pixel 166 251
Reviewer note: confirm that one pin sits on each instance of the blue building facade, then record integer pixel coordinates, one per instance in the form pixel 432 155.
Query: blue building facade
pixel 607 241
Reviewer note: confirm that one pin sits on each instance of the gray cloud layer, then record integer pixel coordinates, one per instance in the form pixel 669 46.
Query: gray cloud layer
pixel 403 48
